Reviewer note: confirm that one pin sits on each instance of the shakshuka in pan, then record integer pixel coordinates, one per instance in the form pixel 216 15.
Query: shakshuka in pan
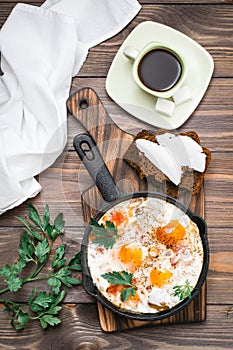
pixel 145 255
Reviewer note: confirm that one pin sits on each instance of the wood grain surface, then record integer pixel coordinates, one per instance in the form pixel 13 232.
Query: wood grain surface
pixel 211 24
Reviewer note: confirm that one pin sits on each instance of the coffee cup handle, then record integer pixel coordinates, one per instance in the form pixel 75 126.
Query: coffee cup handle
pixel 131 53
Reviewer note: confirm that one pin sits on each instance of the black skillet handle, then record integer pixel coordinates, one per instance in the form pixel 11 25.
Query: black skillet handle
pixel 89 154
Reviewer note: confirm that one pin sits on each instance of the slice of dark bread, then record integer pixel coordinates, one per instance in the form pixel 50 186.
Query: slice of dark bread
pixel 191 180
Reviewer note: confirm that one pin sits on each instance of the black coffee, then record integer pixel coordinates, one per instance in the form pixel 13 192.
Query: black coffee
pixel 159 70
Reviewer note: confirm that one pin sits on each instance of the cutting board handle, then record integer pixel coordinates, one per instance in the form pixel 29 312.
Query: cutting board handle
pixel 87 108
pixel 112 141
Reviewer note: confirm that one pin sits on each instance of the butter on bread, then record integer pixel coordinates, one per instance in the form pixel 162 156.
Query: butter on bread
pixel 191 179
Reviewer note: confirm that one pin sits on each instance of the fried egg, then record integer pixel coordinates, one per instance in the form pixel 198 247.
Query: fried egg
pixel 158 244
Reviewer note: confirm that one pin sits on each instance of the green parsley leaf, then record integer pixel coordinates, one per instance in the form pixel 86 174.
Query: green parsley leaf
pixel 23 318
pixel 14 283
pixel 9 273
pixel 121 277
pixel 105 235
pixel 64 276
pixel 75 262
pixel 58 260
pixel 59 222
pixel 59 297
pixel 46 216
pixel 127 292
pixel 124 278
pixel 25 223
pixel 20 317
pixel 34 216
pixel 16 268
pixel 6 271
pixel 46 306
pixel 64 272
pixel 57 226
pixel 53 310
pixel 42 250
pixel 10 306
pixel 42 302
pixel 183 291
pixel 27 248
pixel 30 229
pixel 71 281
pixel 20 320
pixel 55 283
pixel 48 320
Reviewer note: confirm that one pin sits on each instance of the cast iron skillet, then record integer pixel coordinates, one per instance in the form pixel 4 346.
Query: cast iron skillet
pixel 112 196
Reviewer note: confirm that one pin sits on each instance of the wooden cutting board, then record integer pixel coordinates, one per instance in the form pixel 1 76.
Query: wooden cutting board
pixel 113 142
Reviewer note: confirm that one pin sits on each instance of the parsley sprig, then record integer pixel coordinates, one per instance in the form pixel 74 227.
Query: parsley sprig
pixel 123 278
pixel 104 235
pixel 35 249
pixel 183 291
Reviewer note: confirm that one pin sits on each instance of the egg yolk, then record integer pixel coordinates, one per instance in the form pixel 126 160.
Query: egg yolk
pixel 118 218
pixel 131 256
pixel 135 299
pixel 171 234
pixel 159 278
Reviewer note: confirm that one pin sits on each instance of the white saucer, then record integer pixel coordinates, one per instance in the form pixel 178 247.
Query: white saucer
pixel 123 90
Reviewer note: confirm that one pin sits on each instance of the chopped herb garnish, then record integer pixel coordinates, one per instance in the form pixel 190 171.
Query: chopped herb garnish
pixel 123 278
pixel 183 291
pixel 104 235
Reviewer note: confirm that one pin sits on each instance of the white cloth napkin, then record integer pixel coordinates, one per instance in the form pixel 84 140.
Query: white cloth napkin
pixel 42 48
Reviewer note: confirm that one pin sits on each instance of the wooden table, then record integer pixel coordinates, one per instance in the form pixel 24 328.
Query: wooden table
pixel 209 22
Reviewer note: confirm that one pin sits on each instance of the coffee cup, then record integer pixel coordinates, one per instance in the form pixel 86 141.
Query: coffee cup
pixel 157 68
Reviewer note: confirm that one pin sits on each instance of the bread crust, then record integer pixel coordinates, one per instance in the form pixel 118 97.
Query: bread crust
pixel 191 179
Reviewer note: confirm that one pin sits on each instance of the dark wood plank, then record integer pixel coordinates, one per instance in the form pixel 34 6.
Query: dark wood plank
pixel 219 189
pixel 80 330
pixel 202 22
